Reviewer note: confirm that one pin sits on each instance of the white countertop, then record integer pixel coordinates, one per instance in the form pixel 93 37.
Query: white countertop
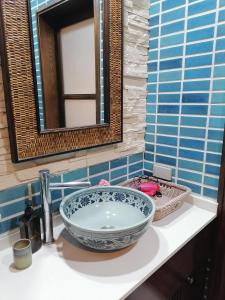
pixel 66 271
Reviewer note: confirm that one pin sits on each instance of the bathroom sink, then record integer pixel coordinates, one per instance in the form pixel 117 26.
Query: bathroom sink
pixel 107 218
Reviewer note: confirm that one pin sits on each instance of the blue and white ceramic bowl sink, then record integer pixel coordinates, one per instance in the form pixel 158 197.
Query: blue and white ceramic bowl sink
pixel 107 218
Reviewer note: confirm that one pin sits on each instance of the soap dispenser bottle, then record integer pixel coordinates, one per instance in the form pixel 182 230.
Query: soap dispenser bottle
pixel 30 227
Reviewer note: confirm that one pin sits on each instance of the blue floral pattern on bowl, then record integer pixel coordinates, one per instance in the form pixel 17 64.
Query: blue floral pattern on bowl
pixel 107 239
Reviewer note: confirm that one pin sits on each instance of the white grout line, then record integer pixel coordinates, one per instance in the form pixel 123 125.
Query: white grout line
pixel 190 92
pixel 185 126
pixel 187 68
pixel 184 158
pixel 130 174
pixel 210 95
pixel 181 94
pixel 185 31
pixel 199 173
pixel 11 217
pixel 185 148
pixel 187 43
pixel 191 161
pixel 158 74
pixel 205 13
pixel 175 8
pixel 175 136
pixel 199 54
pixel 197 183
pixel 13 201
pixel 19 214
pixel 184 115
pixel 181 80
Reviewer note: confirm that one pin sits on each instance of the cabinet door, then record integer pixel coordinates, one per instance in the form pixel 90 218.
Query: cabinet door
pixel 185 276
pixel 191 289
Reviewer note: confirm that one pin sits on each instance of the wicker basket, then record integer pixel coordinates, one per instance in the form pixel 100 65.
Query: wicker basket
pixel 172 194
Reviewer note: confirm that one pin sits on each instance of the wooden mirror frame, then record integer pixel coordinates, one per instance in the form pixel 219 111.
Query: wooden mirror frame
pixel 19 86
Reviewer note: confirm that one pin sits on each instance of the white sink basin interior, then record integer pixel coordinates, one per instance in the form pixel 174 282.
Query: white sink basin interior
pixel 108 215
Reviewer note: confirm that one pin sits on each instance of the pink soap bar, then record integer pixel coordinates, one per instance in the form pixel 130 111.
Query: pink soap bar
pixel 104 182
pixel 149 187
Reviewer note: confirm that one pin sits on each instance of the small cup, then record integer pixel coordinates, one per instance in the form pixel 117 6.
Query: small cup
pixel 22 254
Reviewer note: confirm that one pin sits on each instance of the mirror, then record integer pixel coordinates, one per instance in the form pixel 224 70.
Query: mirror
pixel 68 44
pixel 55 102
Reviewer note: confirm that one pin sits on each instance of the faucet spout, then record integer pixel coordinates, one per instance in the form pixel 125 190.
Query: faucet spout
pixel 70 185
pixel 46 201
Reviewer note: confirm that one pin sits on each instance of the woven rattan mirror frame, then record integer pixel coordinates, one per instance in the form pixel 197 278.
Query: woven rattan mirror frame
pixel 16 58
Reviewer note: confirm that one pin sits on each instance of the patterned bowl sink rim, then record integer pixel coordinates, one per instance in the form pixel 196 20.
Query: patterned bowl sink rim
pixel 119 188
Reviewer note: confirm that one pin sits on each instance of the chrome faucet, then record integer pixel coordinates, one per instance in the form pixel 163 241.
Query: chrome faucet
pixel 46 201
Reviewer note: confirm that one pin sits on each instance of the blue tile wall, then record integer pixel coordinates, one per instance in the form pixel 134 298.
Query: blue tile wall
pixel 13 201
pixel 186 99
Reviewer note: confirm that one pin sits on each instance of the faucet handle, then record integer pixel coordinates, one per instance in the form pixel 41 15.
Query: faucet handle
pixel 46 173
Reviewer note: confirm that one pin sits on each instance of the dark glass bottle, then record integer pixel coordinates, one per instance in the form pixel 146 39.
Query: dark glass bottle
pixel 30 227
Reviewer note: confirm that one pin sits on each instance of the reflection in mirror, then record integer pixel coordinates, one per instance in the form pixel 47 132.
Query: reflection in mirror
pixel 68 52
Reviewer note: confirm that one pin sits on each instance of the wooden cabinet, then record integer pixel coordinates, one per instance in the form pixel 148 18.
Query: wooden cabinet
pixel 186 276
